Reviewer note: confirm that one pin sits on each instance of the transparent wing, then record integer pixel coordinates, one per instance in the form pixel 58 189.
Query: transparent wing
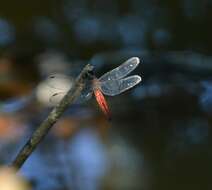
pixel 57 97
pixel 59 82
pixel 121 71
pixel 85 95
pixel 115 87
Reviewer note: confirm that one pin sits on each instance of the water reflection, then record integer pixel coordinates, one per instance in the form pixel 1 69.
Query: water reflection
pixel 47 30
pixel 87 30
pixel 7 33
pixel 160 135
pixel 206 97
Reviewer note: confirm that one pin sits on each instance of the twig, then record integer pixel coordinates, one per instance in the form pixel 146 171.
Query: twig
pixel 52 118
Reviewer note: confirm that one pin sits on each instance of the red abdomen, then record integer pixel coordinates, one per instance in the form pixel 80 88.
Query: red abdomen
pixel 102 102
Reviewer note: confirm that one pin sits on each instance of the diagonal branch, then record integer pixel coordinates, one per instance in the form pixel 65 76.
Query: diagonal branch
pixel 52 118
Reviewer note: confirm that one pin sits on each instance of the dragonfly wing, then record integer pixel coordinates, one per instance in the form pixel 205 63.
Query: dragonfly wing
pixel 57 97
pixel 115 87
pixel 86 93
pixel 59 82
pixel 84 97
pixel 121 71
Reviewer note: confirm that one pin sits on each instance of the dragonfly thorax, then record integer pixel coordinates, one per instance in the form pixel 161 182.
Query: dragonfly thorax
pixel 96 84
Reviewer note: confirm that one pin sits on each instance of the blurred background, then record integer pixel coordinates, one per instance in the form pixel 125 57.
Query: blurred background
pixel 160 135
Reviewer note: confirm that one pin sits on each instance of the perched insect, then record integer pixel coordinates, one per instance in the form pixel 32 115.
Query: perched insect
pixel 111 83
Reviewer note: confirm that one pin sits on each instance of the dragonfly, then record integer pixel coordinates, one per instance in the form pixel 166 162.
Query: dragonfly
pixel 111 83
